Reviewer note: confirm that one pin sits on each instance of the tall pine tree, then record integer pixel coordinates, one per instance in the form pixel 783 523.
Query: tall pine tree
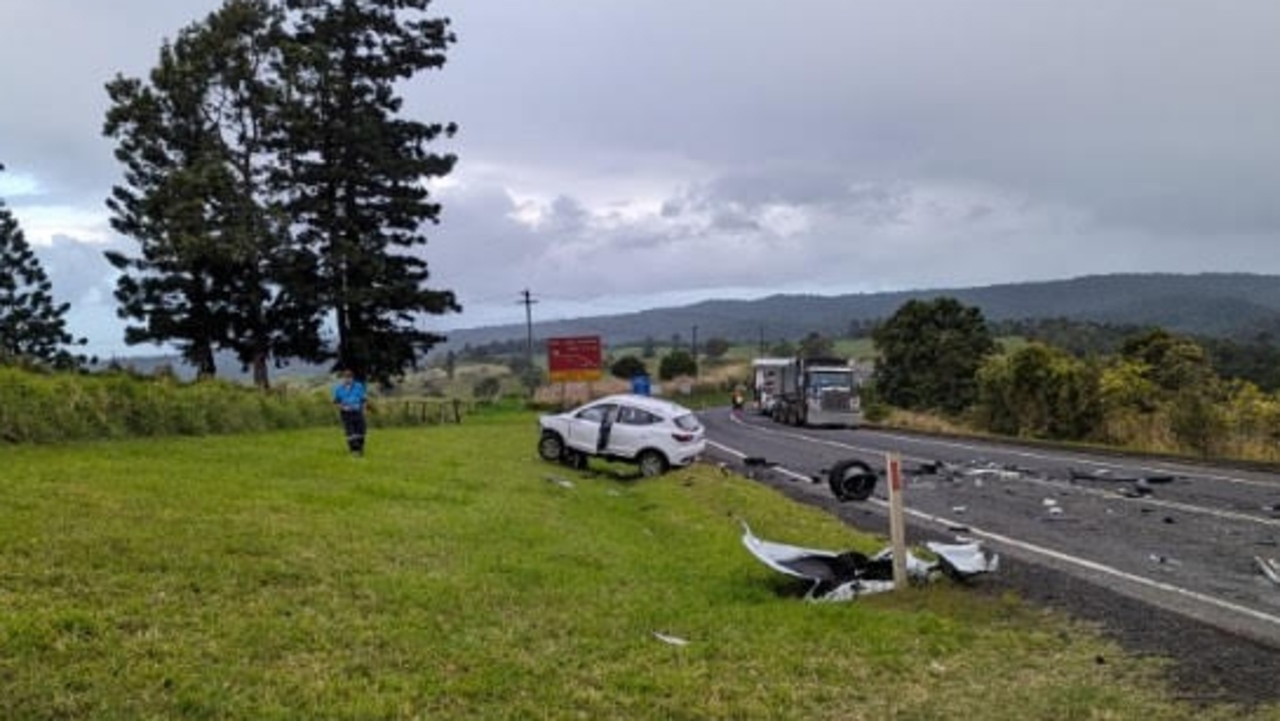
pixel 357 171
pixel 32 325
pixel 218 267
pixel 272 185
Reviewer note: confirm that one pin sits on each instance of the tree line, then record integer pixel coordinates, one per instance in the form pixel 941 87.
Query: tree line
pixel 1157 390
pixel 277 194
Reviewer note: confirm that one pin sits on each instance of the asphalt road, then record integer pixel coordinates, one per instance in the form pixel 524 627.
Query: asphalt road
pixel 1186 538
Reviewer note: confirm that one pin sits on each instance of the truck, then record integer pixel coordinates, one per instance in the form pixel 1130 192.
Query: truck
pixel 767 382
pixel 814 392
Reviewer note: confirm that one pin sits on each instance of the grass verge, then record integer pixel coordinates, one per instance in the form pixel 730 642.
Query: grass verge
pixel 449 574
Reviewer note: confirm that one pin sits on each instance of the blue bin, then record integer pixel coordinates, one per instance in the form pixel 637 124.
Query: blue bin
pixel 640 385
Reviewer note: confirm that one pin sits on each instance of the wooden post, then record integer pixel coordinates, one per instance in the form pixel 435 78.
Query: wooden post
pixel 897 526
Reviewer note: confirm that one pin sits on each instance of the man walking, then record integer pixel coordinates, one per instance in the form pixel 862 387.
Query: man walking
pixel 349 396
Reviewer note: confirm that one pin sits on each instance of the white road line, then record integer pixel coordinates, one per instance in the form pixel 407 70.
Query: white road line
pixel 1056 555
pixel 1148 500
pixel 1064 456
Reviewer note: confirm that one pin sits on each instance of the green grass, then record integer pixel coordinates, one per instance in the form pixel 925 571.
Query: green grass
pixel 444 576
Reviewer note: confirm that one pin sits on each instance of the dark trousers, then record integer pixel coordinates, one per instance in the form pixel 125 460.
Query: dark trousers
pixel 353 424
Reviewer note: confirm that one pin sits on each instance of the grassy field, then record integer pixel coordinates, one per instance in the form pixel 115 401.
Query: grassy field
pixel 450 574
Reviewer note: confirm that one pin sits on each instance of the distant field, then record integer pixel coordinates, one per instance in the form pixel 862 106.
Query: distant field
pixel 450 574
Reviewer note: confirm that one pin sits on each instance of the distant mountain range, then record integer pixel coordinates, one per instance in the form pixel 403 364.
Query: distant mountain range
pixel 1207 304
pixel 1221 305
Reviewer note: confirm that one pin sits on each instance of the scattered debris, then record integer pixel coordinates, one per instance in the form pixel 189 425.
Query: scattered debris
pixel 1164 560
pixel 562 482
pixel 758 462
pixel 990 471
pixel 841 576
pixel 1269 568
pixel 673 640
pixel 959 509
pixel 1140 489
pixel 1055 510
pixel 1106 474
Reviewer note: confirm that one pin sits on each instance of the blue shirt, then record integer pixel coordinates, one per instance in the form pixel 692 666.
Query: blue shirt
pixel 350 397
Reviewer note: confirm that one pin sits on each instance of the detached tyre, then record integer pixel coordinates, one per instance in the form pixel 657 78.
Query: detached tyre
pixel 551 447
pixel 851 480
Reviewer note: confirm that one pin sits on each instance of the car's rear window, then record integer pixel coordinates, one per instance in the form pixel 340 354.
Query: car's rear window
pixel 687 422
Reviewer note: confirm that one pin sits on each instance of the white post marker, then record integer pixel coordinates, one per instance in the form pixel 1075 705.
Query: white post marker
pixel 897 525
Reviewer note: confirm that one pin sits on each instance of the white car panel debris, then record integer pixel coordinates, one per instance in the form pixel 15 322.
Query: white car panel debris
pixel 841 576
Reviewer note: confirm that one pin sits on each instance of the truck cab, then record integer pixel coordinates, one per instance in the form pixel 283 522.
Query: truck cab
pixel 818 392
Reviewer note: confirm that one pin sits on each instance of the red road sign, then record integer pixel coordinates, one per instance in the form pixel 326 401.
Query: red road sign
pixel 574 359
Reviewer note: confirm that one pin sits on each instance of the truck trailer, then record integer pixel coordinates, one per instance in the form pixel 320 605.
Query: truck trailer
pixel 816 392
pixel 767 382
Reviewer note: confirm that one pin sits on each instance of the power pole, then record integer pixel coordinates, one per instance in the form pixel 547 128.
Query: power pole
pixel 696 371
pixel 528 301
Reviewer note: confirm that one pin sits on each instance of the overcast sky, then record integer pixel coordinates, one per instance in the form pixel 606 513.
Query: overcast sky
pixel 623 154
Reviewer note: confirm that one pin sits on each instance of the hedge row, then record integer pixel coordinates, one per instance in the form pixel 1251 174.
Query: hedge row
pixel 60 407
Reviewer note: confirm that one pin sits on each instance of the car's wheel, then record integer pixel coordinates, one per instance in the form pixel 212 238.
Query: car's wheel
pixel 652 463
pixel 851 480
pixel 551 446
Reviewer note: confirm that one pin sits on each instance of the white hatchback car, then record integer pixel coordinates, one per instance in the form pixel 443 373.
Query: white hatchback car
pixel 653 433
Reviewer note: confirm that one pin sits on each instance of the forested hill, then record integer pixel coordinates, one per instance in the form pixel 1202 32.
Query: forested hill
pixel 1210 304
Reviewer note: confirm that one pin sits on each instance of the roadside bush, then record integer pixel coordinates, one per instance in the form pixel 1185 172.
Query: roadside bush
pixel 49 408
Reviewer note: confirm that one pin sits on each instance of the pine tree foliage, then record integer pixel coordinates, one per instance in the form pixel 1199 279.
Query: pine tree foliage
pixel 358 171
pixel 218 268
pixel 274 186
pixel 32 324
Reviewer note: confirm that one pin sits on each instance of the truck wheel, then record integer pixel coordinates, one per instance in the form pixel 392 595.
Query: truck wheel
pixel 551 447
pixel 851 480
pixel 652 463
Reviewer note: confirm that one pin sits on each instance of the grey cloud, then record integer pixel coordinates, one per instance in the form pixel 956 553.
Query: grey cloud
pixel 729 220
pixel 1079 137
pixel 78 270
pixel 776 183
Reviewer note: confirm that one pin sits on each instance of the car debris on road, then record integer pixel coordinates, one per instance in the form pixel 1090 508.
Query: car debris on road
pixel 1269 568
pixel 846 575
pixel 1105 474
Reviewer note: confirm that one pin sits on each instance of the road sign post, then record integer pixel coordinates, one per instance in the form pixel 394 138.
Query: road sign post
pixel 897 525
